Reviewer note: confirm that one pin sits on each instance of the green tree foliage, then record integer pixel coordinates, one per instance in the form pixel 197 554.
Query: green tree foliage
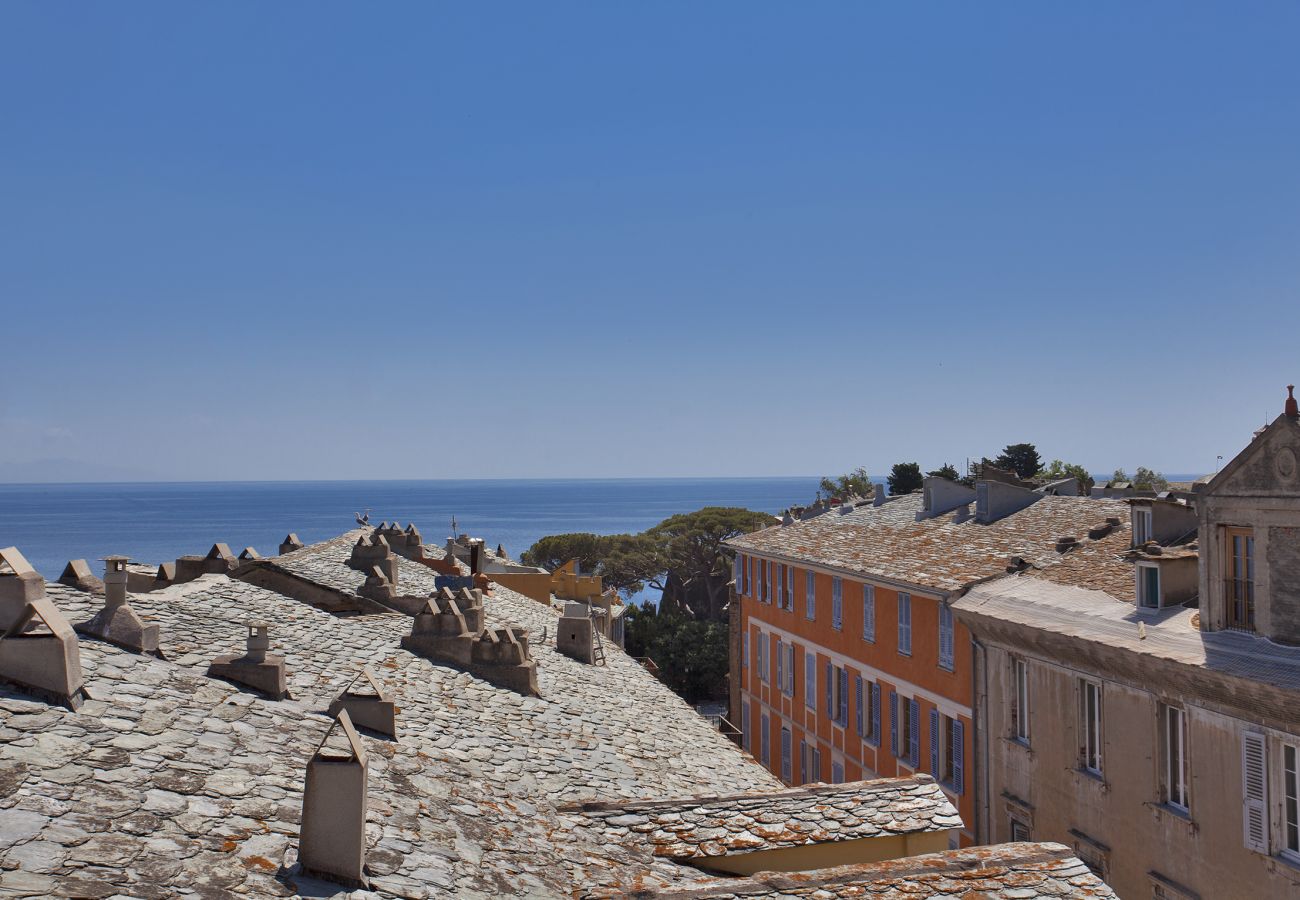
pixel 1119 475
pixel 905 478
pixel 1022 459
pixel 1058 470
pixel 625 562
pixel 555 550
pixel 691 655
pixel 947 470
pixel 691 544
pixel 853 484
pixel 1149 480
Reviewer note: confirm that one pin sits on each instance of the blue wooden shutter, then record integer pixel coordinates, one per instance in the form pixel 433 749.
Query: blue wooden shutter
pixel 934 743
pixel 857 695
pixel 844 697
pixel 803 762
pixel 868 612
pixel 875 713
pixel 914 719
pixel 958 751
pixel 830 691
pixel 810 591
pixel 810 679
pixel 780 665
pixel 893 725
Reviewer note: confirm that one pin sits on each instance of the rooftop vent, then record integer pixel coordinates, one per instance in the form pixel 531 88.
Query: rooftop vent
pixel 38 648
pixel 1113 521
pixel 77 574
pixel 368 554
pixel 1100 530
pixel 1065 543
pixel 256 668
pixel 368 705
pixel 450 630
pixel 248 554
pixel 19 584
pixel 290 544
pixel 117 622
pixel 877 494
pixel 332 836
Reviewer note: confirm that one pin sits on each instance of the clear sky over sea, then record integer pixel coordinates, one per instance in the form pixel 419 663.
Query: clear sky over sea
pixel 316 240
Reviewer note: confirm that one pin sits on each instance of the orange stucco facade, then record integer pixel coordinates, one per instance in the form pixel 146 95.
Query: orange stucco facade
pixel 869 731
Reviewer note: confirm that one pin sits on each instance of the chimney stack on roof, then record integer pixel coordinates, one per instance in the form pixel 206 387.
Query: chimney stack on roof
pixel 38 648
pixel 256 668
pixel 877 494
pixel 1292 410
pixel 117 622
pixel 335 796
pixel 77 574
pixel 368 705
pixel 290 544
pixel 575 635
pixel 370 553
pixel 450 629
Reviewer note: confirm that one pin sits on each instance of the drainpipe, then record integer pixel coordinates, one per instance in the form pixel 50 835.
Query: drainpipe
pixel 982 744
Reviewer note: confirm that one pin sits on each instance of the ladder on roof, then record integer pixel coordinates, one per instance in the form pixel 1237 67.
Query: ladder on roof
pixel 597 647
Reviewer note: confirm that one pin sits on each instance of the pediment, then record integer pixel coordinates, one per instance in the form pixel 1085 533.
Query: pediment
pixel 1268 467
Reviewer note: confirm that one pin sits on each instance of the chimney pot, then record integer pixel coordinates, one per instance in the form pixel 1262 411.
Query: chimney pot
pixel 1292 410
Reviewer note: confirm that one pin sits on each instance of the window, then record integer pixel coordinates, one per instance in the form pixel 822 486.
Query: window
pixel 1020 701
pixel 737 568
pixel 860 706
pixel 771 586
pixel 1173 746
pixel 905 729
pixel 803 762
pixel 837 694
pixel 1239 589
pixel 765 580
pixel 837 603
pixel 785 755
pixel 947 740
pixel 869 613
pixel 945 637
pixel 761 657
pixel 810 596
pixel 1090 726
pixel 1019 830
pixel 780 586
pixel 1148 585
pixel 815 764
pixel 788 587
pixel 1254 790
pixel 1141 526
pixel 744 651
pixel 1091 853
pixel 837 772
pixel 905 624
pixel 874 734
pixel 1291 800
pixel 749 578
pixel 765 740
pixel 787 685
pixel 780 665
pixel 810 679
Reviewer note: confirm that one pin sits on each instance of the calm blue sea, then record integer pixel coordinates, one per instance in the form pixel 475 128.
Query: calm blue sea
pixel 152 523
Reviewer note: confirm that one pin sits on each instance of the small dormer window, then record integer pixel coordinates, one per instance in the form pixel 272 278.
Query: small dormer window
pixel 1148 586
pixel 1141 525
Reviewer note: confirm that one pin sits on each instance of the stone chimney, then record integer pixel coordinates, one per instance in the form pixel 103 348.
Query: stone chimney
pixel 335 796
pixel 1292 410
pixel 450 630
pixel 290 544
pixel 39 653
pixel 377 586
pixel 877 494
pixel 117 622
pixel 575 634
pixel 77 574
pixel 257 668
pixel 367 704
pixel 248 554
pixel 368 553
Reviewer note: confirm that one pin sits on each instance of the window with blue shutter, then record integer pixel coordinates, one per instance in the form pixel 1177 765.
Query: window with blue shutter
pixel 869 612
pixel 934 743
pixel 744 653
pixel 905 624
pixel 893 725
pixel 945 636
pixel 843 717
pixel 735 573
pixel 780 586
pixel 803 762
pixel 810 596
pixel 857 695
pixel 830 691
pixel 958 752
pixel 875 714
pixel 749 577
pixel 785 755
pixel 771 589
pixel 780 665
pixel 789 588
pixel 765 740
pixel 914 720
pixel 810 679
pixel 837 603
pixel 837 772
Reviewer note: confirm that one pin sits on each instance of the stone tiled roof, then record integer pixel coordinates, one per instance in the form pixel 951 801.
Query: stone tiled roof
pixel 169 783
pixel 1090 615
pixel 325 564
pixel 1098 565
pixel 1003 872
pixel 716 826
pixel 938 553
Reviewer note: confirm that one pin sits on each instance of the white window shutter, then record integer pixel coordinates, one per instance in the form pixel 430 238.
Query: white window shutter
pixel 1254 792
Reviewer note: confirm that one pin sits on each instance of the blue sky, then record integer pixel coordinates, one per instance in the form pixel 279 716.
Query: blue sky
pixel 259 241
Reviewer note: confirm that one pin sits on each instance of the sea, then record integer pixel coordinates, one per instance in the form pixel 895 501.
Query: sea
pixel 157 522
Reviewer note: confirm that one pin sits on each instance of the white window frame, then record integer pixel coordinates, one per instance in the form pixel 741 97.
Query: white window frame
pixel 1144 601
pixel 1291 802
pixel 1019 706
pixel 1090 724
pixel 904 623
pixel 1141 525
pixel 1174 768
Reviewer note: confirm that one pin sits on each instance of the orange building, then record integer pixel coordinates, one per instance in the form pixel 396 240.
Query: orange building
pixel 851 663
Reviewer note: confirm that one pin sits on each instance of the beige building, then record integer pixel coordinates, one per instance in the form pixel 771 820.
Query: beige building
pixel 1161 741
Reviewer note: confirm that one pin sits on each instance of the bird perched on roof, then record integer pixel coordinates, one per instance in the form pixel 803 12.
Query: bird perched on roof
pixel 363 520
